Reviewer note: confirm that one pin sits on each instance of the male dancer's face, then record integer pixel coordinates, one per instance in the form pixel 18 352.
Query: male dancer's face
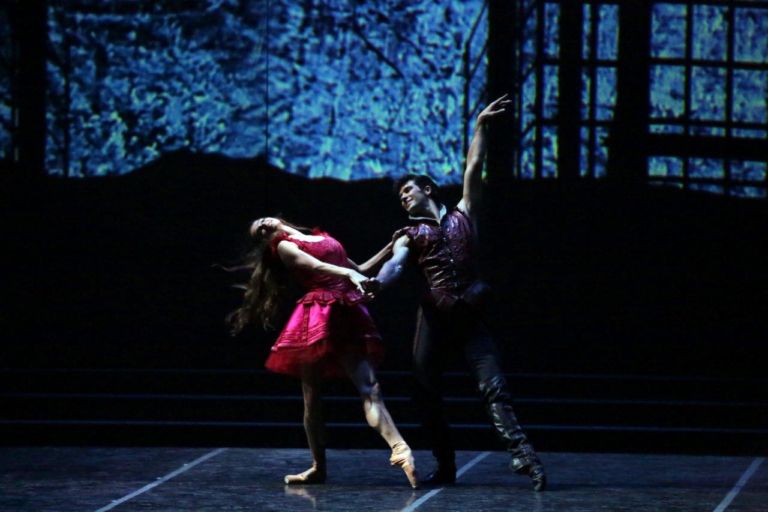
pixel 414 199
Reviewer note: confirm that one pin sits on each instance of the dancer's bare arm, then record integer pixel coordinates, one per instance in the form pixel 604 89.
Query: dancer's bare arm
pixel 293 257
pixel 373 264
pixel 394 267
pixel 473 174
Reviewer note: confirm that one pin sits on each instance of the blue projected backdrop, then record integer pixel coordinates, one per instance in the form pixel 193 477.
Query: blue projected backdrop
pixel 336 88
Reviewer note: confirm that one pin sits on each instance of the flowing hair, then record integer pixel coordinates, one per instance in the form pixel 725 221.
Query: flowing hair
pixel 266 286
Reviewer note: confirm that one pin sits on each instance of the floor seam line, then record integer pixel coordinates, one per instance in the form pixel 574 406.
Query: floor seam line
pixel 434 492
pixel 161 480
pixel 751 470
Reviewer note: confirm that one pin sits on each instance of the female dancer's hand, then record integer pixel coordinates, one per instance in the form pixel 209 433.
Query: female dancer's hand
pixel 401 242
pixel 368 286
pixel 359 280
pixel 399 234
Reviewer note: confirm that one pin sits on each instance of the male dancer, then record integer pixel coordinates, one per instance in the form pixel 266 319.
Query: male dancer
pixel 442 243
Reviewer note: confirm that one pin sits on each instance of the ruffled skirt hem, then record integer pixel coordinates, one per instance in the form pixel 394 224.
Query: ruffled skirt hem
pixel 319 336
pixel 323 358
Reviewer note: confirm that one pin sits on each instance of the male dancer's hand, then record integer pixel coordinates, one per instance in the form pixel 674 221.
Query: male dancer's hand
pixel 371 287
pixel 495 108
pixel 358 279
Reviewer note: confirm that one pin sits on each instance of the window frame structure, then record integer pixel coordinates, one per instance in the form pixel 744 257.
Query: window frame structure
pixel 592 63
pixel 691 144
pixel 531 68
pixel 533 23
pixel 595 132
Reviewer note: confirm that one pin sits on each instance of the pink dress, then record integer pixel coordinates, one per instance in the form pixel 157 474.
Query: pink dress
pixel 329 321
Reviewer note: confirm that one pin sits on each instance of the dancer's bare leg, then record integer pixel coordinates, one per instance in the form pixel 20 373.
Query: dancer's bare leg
pixel 314 427
pixel 363 377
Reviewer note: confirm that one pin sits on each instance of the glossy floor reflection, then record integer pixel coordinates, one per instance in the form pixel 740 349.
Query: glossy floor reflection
pixel 244 479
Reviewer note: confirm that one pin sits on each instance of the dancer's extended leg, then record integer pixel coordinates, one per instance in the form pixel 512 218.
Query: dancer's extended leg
pixel 377 415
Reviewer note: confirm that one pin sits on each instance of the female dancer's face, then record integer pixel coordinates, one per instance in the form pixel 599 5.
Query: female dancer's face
pixel 265 227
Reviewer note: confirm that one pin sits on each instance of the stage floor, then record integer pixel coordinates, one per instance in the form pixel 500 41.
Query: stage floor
pixel 64 479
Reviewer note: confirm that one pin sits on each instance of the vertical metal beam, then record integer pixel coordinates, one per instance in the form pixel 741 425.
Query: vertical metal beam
pixel 469 62
pixel 569 100
pixel 518 99
pixel 594 19
pixel 502 66
pixel 731 41
pixel 687 85
pixel 29 32
pixel 539 102
pixel 627 158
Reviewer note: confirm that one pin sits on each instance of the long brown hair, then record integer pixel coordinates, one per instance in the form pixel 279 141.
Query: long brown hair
pixel 266 285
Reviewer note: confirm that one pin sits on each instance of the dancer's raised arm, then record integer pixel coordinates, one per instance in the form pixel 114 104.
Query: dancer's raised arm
pixel 473 173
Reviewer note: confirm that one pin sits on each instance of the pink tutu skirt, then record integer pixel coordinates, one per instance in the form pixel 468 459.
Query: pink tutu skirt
pixel 325 328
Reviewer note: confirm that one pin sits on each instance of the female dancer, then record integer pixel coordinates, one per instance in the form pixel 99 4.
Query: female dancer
pixel 329 334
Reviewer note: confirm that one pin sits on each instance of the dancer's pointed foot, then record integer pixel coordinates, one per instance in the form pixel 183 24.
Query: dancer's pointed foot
pixel 402 456
pixel 538 478
pixel 528 463
pixel 314 475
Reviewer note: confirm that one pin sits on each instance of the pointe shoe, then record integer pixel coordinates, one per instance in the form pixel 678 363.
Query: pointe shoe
pixel 402 456
pixel 313 475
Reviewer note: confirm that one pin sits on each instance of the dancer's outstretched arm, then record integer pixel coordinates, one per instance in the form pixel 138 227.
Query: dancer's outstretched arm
pixel 293 257
pixel 373 264
pixel 394 267
pixel 473 174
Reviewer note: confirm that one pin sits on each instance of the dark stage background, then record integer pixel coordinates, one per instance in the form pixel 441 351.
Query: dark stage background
pixel 588 278
pixel 624 227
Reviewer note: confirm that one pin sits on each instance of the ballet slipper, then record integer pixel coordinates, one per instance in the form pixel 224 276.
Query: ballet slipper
pixel 402 456
pixel 314 475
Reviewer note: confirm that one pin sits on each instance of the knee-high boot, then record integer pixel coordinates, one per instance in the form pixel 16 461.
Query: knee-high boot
pixel 523 460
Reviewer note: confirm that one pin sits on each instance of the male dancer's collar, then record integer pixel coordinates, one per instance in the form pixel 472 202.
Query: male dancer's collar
pixel 443 212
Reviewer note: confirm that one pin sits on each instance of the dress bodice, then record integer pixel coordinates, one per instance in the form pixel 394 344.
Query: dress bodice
pixel 322 287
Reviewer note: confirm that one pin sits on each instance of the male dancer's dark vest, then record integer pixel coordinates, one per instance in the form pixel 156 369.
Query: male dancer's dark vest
pixel 445 252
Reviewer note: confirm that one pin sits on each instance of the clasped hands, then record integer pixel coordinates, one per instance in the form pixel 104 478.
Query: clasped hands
pixel 371 287
pixel 368 286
